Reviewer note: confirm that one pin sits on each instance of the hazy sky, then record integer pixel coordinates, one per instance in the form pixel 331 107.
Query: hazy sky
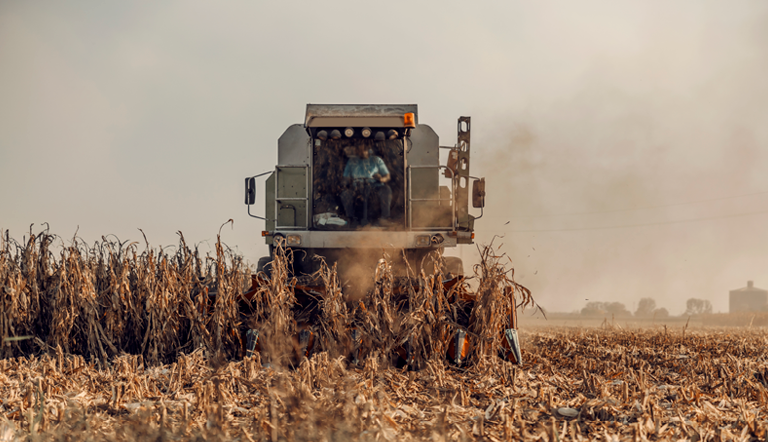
pixel 116 116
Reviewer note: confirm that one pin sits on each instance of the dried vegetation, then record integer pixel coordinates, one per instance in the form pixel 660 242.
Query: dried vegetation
pixel 130 346
pixel 108 299
pixel 592 384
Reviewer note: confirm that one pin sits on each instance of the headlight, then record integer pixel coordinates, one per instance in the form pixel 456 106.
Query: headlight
pixel 422 241
pixel 293 240
pixel 348 132
pixel 366 132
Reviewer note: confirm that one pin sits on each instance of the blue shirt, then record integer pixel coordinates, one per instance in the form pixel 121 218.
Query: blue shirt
pixel 365 168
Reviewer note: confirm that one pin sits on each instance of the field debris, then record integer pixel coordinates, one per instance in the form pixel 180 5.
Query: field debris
pixel 588 384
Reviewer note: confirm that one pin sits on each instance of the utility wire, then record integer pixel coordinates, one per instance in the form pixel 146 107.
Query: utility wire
pixel 646 207
pixel 737 215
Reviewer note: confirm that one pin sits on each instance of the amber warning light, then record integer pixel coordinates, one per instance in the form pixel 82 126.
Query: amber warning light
pixel 409 120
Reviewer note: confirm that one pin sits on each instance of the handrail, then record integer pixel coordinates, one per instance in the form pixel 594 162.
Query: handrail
pixel 450 199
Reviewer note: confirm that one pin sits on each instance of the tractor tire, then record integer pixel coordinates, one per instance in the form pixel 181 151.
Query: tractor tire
pixel 265 265
pixel 454 265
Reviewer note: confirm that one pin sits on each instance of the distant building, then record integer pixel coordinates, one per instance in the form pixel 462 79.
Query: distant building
pixel 748 299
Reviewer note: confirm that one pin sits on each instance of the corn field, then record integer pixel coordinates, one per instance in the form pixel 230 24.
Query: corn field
pixel 108 299
pixel 106 342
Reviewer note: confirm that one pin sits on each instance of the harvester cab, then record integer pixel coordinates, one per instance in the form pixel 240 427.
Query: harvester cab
pixel 368 178
pixel 356 183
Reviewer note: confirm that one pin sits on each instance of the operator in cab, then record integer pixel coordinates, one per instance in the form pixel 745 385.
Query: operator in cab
pixel 366 173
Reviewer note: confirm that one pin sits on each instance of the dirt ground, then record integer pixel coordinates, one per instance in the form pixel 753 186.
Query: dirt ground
pixel 534 319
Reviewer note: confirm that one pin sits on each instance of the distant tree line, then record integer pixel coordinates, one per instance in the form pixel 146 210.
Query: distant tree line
pixel 697 307
pixel 646 308
pixel 596 308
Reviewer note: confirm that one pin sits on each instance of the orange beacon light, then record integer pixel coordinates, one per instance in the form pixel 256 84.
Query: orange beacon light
pixel 409 120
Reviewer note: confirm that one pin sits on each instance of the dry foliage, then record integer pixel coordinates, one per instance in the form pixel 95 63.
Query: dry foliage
pixel 132 346
pixel 104 300
pixel 109 299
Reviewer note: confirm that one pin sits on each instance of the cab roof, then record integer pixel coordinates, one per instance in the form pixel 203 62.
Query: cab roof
pixel 358 115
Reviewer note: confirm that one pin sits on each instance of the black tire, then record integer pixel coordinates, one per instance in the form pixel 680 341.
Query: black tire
pixel 265 265
pixel 454 265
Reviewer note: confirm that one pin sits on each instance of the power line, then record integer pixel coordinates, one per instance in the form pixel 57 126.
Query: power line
pixel 737 215
pixel 646 207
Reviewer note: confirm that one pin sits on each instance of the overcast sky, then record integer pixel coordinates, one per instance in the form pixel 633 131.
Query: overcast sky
pixel 626 143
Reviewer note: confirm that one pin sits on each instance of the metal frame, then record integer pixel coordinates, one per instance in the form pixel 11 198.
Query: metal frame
pixel 370 239
pixel 462 193
pixel 254 191
pixel 307 193
pixel 410 199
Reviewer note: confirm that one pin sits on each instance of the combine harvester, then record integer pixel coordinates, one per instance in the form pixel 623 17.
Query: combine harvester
pixel 355 184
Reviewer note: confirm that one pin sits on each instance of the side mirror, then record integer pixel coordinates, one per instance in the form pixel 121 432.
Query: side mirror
pixel 478 193
pixel 250 191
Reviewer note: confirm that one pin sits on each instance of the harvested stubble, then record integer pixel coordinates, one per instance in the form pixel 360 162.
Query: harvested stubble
pixel 749 319
pixel 584 384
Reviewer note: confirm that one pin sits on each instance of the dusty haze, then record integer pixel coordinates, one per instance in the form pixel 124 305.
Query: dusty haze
pixel 114 118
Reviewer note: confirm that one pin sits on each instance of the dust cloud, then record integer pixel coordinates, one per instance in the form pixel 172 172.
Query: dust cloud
pixel 645 178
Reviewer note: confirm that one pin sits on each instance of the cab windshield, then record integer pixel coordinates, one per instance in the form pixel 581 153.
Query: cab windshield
pixel 358 184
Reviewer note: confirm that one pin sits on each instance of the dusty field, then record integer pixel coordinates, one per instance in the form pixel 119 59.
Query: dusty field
pixel 532 318
pixel 593 384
